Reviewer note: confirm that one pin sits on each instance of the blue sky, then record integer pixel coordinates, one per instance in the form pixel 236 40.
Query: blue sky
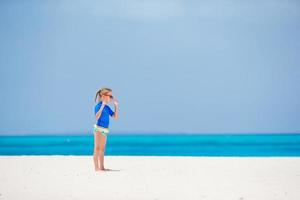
pixel 175 66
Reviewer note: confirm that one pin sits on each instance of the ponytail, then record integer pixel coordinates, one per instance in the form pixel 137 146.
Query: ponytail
pixel 97 94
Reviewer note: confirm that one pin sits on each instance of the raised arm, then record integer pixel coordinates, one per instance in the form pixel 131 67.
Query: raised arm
pixel 98 114
pixel 116 113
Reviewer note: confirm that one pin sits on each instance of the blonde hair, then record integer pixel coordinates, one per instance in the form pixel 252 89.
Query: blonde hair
pixel 102 91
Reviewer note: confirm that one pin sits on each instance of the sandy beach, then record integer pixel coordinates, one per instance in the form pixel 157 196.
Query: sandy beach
pixel 140 177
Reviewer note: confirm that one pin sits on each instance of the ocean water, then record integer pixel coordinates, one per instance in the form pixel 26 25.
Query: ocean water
pixel 156 145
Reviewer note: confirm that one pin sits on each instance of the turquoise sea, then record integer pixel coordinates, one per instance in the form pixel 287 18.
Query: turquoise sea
pixel 156 145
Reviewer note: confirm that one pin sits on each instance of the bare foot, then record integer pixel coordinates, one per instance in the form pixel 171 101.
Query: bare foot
pixel 97 169
pixel 101 169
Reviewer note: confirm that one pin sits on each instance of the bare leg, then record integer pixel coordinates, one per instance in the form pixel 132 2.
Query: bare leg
pixel 102 151
pixel 96 150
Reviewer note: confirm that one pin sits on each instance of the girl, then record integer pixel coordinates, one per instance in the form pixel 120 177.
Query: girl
pixel 102 112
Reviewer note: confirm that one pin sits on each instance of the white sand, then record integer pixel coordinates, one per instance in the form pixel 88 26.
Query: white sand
pixel 182 178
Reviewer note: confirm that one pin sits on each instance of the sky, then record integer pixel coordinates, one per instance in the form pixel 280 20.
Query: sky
pixel 174 66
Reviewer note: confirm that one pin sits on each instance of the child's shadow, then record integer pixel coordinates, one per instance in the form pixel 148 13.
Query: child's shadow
pixel 112 170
